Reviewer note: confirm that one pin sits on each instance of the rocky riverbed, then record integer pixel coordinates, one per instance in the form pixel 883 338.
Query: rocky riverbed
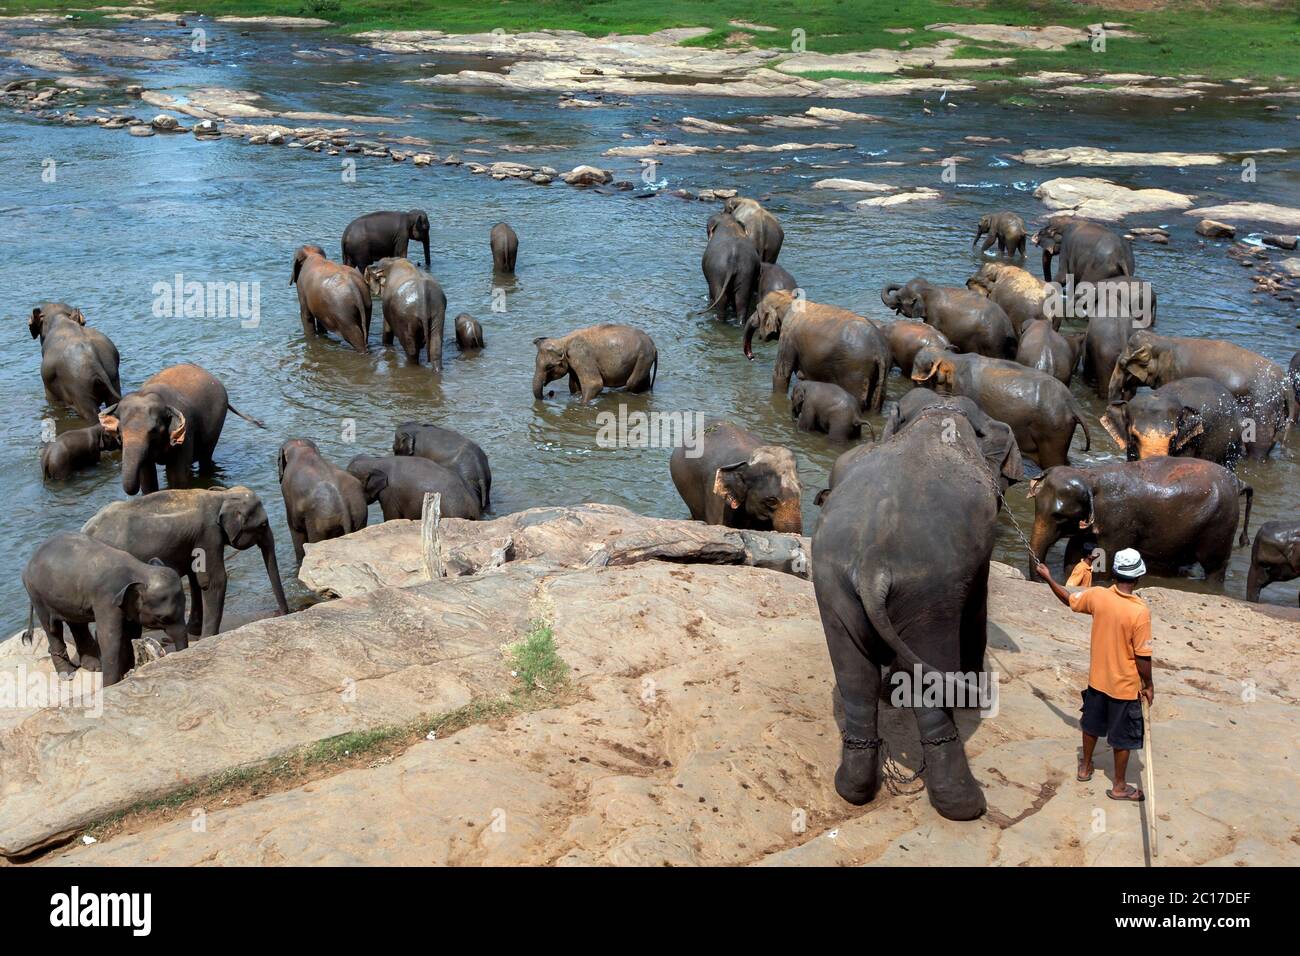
pixel 699 730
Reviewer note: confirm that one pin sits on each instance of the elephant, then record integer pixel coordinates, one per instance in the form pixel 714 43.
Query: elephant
pixel 971 322
pixel 1007 229
pixel 1040 410
pixel 505 247
pixel 1047 350
pixel 1105 339
pixel 188 530
pixel 840 467
pixel 762 228
pixel 1125 296
pixel 1260 385
pixel 774 278
pixel 1293 372
pixel 995 437
pixel 823 343
pixel 321 500
pixel 76 449
pixel 731 268
pixel 450 449
pixel 379 235
pixel 174 419
pixel 469 332
pixel 1192 417
pixel 75 580
pixel 1175 511
pixel 1274 557
pixel 925 499
pixel 595 358
pixel 738 482
pixel 79 365
pixel 331 297
pixel 1021 295
pixel 906 338
pixel 415 307
pixel 1089 252
pixel 824 407
pixel 400 483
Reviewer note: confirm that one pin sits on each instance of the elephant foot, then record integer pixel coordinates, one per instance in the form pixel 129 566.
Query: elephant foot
pixel 858 778
pixel 90 662
pixel 64 667
pixel 952 788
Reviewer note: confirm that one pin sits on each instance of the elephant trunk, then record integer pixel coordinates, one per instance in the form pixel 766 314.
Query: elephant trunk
pixel 539 382
pixel 978 232
pixel 134 459
pixel 1115 387
pixel 750 324
pixel 889 295
pixel 1041 539
pixel 1047 266
pixel 267 545
pixel 424 241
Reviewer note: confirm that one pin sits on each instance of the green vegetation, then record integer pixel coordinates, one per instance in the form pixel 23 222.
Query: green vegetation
pixel 1216 39
pixel 536 663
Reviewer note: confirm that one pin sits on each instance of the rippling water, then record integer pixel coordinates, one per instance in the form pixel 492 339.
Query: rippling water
pixel 126 213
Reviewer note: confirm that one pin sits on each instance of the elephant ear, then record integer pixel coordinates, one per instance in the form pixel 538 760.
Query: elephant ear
pixel 280 464
pixel 110 424
pixel 375 483
pixel 35 322
pixel 1001 451
pixel 821 497
pixel 1113 420
pixel 1034 485
pixel 232 518
pixel 729 483
pixel 1190 424
pixel 126 596
pixel 176 434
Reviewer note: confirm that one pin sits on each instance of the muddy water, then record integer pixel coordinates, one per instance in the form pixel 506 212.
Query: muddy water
pixel 127 213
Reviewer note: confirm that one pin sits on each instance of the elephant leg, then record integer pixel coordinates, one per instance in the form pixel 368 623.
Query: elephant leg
pixel 214 601
pixel 116 654
pixel 195 624
pixel 87 647
pixel 308 322
pixel 178 472
pixel 807 419
pixel 639 380
pixel 53 628
pixel 988 242
pixel 787 363
pixel 591 388
pixel 297 537
pixel 952 788
pixel 148 478
pixel 387 336
pixel 974 624
pixel 857 686
pixel 573 384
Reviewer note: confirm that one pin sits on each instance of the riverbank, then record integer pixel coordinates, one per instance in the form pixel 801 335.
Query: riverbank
pixel 692 723
pixel 1178 39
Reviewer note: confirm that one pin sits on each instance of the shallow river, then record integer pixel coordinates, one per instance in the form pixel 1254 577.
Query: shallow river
pixel 126 213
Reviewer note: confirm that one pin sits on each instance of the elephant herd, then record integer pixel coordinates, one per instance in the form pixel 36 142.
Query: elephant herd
pixel 990 364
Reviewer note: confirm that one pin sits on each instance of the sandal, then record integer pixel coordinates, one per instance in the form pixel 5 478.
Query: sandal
pixel 1131 794
pixel 1079 774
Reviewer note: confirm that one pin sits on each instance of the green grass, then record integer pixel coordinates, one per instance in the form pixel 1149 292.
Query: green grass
pixel 535 661
pixel 1216 39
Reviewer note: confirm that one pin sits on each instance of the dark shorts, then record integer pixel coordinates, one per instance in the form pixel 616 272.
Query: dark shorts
pixel 1119 721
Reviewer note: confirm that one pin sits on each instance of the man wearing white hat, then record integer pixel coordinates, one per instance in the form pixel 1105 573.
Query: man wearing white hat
pixel 1119 670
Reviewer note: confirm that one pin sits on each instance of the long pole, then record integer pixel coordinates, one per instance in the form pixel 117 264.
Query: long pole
pixel 1151 778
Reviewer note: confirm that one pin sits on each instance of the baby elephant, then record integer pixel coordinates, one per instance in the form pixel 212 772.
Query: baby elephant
pixel 825 407
pixel 738 482
pixel 450 449
pixel 1007 229
pixel 400 483
pixel 595 358
pixel 469 333
pixel 1044 348
pixel 415 307
pixel 189 529
pixel 75 580
pixel 76 449
pixel 505 246
pixel 1274 557
pixel 321 500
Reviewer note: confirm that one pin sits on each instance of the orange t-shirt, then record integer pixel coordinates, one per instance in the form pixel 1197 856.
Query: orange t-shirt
pixel 1081 576
pixel 1121 631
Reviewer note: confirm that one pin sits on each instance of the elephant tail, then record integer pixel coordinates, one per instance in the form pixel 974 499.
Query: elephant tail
pixel 654 370
pixel 27 634
pixel 247 418
pixel 1249 492
pixel 1078 417
pixel 722 296
pixel 871 594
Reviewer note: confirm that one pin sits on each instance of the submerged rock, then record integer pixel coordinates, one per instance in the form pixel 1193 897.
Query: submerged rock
pixel 1104 200
pixel 587 176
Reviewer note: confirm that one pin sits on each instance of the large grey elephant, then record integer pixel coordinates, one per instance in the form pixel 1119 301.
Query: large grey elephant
pixel 188 530
pixel 1192 417
pixel 379 235
pixel 970 321
pixel 415 307
pixel 79 365
pixel 450 449
pixel 399 484
pixel 321 500
pixel 738 481
pixel 763 228
pixel 927 498
pixel 823 343
pixel 731 267
pixel 331 297
pixel 602 356
pixel 74 580
pixel 174 419
pixel 1089 252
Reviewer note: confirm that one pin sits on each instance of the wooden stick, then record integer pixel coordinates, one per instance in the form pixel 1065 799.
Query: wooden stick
pixel 1151 777
pixel 430 520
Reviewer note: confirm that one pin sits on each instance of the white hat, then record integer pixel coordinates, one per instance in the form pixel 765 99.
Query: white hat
pixel 1128 564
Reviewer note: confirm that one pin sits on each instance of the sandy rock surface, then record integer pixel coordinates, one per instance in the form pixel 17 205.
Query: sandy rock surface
pixel 1104 200
pixel 1095 156
pixel 1250 212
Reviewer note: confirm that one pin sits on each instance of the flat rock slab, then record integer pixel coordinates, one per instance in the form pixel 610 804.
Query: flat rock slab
pixel 702 734
pixel 1104 200
pixel 1250 212
pixel 1095 156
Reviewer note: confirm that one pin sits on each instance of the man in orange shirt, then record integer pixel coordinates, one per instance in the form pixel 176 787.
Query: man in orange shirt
pixel 1119 668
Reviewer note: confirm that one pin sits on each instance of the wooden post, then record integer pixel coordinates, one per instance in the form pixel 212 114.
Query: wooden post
pixel 1151 778
pixel 430 520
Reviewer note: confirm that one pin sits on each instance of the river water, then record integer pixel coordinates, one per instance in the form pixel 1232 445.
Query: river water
pixel 127 213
